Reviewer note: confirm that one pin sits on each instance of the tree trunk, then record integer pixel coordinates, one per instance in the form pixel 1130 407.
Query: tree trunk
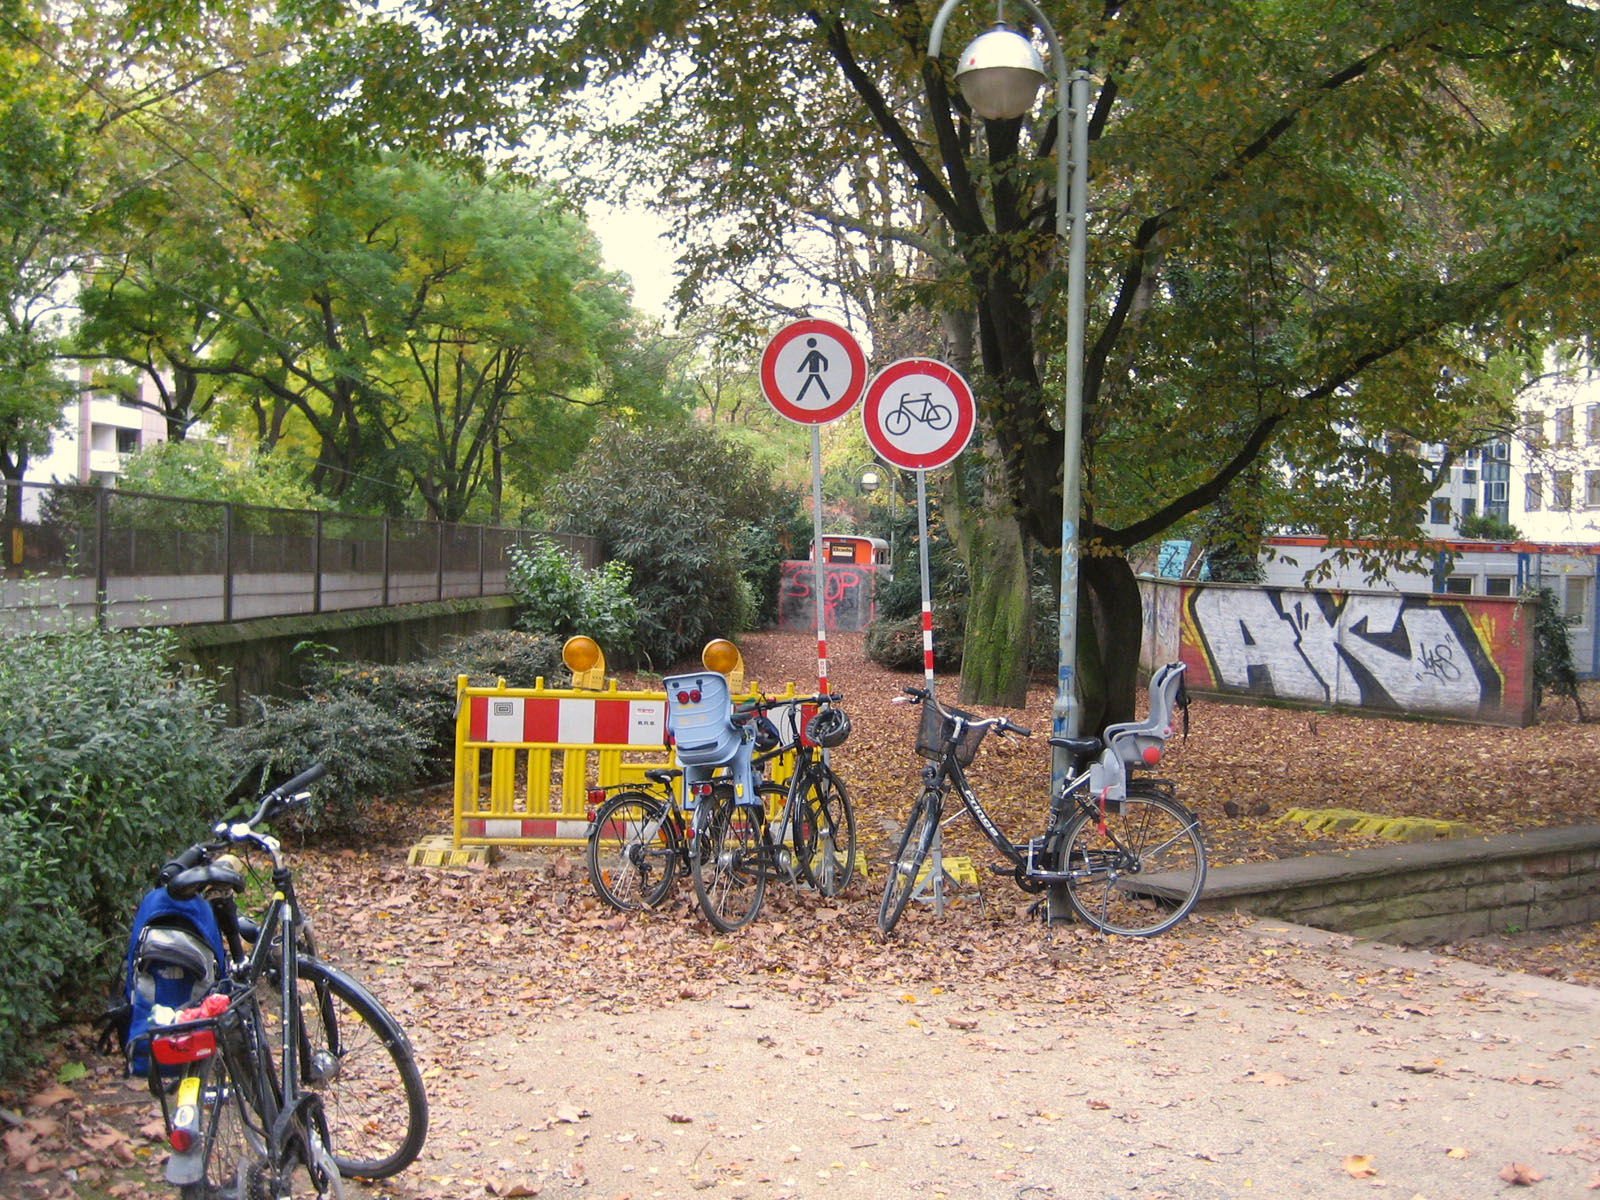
pixel 1110 630
pixel 994 653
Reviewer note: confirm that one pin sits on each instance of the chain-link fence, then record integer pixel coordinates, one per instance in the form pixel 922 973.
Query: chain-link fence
pixel 77 553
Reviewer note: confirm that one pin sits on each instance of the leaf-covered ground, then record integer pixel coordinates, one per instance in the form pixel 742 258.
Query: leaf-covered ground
pixel 458 955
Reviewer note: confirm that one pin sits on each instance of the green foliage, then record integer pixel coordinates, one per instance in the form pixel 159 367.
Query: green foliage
pixel 108 763
pixel 557 596
pixel 382 728
pixel 1489 528
pixel 201 470
pixel 369 750
pixel 1553 668
pixel 679 505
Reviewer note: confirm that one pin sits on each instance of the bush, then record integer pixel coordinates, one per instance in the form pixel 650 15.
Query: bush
pixel 410 707
pixel 677 505
pixel 369 750
pixel 1552 664
pixel 557 596
pixel 108 765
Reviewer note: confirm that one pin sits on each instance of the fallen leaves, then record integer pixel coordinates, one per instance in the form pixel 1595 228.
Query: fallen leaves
pixel 1359 1166
pixel 1520 1174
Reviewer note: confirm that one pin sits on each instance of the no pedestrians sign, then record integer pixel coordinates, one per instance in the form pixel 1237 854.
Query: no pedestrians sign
pixel 813 371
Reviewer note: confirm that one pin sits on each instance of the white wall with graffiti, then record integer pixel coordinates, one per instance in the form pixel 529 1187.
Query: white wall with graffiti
pixel 1465 658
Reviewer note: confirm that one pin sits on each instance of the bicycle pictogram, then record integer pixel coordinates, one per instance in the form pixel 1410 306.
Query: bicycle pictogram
pixel 923 409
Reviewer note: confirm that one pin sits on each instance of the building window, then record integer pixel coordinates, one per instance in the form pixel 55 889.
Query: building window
pixel 1561 491
pixel 1575 599
pixel 127 441
pixel 1564 426
pixel 1533 493
pixel 1469 506
pixel 1497 492
pixel 1469 477
pixel 1458 585
pixel 1497 585
pixel 1591 489
pixel 1502 450
pixel 1439 512
pixel 1592 419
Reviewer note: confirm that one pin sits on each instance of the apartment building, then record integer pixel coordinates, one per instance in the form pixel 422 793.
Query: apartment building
pixel 101 431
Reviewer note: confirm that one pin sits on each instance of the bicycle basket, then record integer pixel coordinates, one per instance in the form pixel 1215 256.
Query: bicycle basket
pixel 938 728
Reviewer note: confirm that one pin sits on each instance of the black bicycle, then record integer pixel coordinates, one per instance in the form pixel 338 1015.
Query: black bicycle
pixel 1128 854
pixel 291 1075
pixel 804 832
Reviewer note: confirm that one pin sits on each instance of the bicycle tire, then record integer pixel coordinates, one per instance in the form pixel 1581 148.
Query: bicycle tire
pixel 730 875
pixel 627 869
pixel 1144 874
pixel 356 1058
pixel 828 860
pixel 236 1163
pixel 915 842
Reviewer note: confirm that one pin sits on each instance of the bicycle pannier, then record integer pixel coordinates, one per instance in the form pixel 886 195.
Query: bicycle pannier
pixel 175 957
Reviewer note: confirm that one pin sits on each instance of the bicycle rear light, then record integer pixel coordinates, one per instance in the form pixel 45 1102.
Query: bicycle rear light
pixel 1152 755
pixel 174 1049
pixel 185 1130
pixel 597 796
pixel 689 696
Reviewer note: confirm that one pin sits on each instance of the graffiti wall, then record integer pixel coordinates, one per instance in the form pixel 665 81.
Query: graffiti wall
pixel 848 590
pixel 1465 657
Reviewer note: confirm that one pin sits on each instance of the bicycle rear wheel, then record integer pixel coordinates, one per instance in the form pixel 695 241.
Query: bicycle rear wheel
pixel 915 843
pixel 234 1150
pixel 1143 874
pixel 729 870
pixel 632 852
pixel 828 860
pixel 357 1059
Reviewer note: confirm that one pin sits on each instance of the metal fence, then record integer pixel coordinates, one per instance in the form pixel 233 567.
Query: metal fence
pixel 123 559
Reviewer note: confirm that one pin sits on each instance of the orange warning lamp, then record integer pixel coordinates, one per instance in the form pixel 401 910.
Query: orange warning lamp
pixel 723 656
pixel 587 664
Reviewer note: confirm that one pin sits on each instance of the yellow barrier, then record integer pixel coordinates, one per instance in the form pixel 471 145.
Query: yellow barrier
pixel 546 748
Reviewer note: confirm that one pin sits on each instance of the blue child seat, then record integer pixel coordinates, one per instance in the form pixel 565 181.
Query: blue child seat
pixel 700 719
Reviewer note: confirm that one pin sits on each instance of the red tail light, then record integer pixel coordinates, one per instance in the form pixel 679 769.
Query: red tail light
pixel 597 796
pixel 695 695
pixel 683 697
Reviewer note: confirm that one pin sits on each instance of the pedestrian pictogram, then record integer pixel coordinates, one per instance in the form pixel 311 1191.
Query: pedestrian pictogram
pixel 918 413
pixel 813 371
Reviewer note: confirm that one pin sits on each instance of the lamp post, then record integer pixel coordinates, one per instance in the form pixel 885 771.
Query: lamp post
pixel 869 478
pixel 1000 74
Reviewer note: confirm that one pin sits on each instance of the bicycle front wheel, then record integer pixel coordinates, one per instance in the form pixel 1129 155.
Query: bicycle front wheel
pixel 1140 873
pixel 729 871
pixel 828 858
pixel 915 843
pixel 355 1056
pixel 632 852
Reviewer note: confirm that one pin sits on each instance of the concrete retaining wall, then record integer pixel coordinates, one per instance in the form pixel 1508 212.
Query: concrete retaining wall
pixel 1428 892
pixel 256 658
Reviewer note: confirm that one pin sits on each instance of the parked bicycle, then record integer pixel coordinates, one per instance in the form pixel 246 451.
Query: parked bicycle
pixel 638 840
pixel 1129 855
pixel 290 1075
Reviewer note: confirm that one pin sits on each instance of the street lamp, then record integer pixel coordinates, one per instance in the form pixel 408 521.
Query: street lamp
pixel 1000 75
pixel 869 478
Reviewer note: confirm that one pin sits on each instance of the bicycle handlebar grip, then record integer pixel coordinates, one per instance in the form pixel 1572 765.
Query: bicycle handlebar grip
pixel 1015 728
pixel 310 775
pixel 173 867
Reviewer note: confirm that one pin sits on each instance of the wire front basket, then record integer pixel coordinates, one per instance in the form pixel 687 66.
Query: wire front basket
pixel 938 730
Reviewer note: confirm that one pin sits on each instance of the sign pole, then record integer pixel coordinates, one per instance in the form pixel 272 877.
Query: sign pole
pixel 927 587
pixel 818 574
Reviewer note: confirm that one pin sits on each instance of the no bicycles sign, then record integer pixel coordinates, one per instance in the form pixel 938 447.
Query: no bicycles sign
pixel 918 413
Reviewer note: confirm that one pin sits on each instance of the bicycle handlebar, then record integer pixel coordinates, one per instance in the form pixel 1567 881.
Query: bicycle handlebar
pixel 190 869
pixel 1001 724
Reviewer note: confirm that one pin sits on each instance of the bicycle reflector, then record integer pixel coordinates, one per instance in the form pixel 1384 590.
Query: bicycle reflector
pixel 1152 755
pixel 185 1130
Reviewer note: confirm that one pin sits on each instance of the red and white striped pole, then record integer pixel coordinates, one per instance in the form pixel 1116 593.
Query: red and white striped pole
pixel 927 589
pixel 820 595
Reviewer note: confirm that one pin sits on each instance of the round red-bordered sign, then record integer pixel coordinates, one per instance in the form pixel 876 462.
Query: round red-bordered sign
pixel 918 414
pixel 813 371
